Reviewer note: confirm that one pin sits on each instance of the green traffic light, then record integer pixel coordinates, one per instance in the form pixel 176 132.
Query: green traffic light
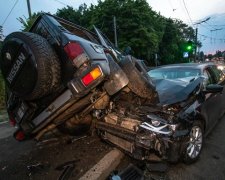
pixel 189 47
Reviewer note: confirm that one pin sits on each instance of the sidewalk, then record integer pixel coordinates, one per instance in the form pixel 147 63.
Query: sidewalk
pixel 3 115
pixel 6 130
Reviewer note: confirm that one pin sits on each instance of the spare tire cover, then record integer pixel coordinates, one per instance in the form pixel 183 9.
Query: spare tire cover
pixel 26 65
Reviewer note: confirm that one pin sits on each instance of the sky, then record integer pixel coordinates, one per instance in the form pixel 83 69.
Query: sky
pixel 211 33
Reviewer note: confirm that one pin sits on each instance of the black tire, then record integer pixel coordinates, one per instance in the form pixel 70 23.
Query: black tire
pixel 38 72
pixel 139 81
pixel 187 157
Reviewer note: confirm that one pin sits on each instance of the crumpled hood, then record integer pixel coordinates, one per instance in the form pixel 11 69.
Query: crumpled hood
pixel 172 91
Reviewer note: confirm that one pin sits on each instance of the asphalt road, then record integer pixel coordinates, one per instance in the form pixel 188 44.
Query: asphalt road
pixel 48 159
pixel 15 157
pixel 211 165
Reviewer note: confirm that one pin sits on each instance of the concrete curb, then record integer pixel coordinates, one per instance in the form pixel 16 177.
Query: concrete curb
pixel 4 122
pixel 104 167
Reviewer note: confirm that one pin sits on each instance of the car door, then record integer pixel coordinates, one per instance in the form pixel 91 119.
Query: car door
pixel 214 105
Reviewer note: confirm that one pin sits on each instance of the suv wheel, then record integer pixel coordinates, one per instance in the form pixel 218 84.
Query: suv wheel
pixel 29 65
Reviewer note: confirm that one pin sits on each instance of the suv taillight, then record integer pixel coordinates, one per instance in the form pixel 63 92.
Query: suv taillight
pixel 92 76
pixel 12 120
pixel 19 135
pixel 76 53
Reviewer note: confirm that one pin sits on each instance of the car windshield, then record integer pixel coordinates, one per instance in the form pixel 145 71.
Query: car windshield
pixel 173 73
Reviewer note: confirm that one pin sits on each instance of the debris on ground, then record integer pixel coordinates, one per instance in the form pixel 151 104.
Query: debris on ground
pixel 47 142
pixel 77 139
pixel 4 168
pixel 37 168
pixel 157 167
pixel 67 169
pixel 156 170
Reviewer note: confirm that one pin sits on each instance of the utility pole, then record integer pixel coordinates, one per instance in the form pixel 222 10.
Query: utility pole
pixel 28 7
pixel 196 34
pixel 196 41
pixel 115 33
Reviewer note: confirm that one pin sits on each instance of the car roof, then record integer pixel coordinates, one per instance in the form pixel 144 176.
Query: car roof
pixel 188 65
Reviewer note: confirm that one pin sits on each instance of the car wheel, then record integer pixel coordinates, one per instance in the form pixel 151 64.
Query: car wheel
pixel 194 146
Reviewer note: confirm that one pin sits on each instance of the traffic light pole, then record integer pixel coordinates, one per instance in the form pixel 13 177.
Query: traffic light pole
pixel 196 41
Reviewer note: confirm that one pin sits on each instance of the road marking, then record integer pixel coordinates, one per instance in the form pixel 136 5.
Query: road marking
pixel 104 167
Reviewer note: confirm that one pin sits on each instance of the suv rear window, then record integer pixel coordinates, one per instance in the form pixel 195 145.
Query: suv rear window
pixel 75 29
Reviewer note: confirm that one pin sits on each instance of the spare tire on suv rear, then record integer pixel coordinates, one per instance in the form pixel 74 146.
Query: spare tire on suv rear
pixel 29 65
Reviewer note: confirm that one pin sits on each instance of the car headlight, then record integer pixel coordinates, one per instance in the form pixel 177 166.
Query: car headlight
pixel 155 122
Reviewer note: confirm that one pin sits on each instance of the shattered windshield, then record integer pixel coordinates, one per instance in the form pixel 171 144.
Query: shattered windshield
pixel 173 73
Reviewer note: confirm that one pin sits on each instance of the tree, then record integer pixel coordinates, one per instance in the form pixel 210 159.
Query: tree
pixel 27 22
pixel 218 54
pixel 138 26
pixel 70 14
pixel 201 56
pixel 210 56
pixel 176 37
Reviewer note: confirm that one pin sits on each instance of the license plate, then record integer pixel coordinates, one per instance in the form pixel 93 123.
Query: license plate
pixel 21 111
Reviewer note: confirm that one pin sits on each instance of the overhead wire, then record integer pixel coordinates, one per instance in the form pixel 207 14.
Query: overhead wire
pixel 188 12
pixel 10 12
pixel 215 24
pixel 205 36
pixel 60 2
pixel 185 14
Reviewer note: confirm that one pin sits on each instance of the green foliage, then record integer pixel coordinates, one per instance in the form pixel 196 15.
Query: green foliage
pixel 138 26
pixel 175 41
pixel 27 22
pixel 218 54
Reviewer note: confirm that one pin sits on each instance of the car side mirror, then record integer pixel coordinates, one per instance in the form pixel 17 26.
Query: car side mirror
pixel 213 88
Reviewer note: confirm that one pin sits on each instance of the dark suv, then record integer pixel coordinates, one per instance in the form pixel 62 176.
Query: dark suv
pixel 59 72
pixel 40 65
